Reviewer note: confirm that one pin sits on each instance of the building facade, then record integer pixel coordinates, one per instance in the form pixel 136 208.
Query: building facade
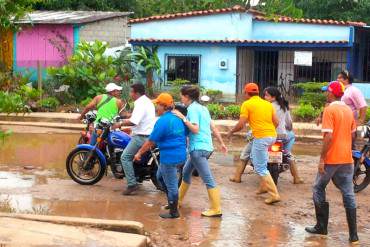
pixel 48 38
pixel 225 48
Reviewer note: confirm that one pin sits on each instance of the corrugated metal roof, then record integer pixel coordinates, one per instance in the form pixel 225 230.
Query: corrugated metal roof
pixel 69 17
pixel 238 41
pixel 259 16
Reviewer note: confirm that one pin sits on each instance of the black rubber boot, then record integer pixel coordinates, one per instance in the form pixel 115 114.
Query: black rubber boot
pixel 322 218
pixel 174 213
pixel 352 225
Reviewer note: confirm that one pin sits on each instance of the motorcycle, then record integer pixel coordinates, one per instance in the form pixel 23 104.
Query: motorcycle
pixel 87 164
pixel 279 158
pixel 361 174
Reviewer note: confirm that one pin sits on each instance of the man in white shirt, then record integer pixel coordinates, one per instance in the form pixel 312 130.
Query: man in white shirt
pixel 142 121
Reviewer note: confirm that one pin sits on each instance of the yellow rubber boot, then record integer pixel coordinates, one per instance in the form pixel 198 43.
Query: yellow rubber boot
pixel 215 201
pixel 262 189
pixel 271 189
pixel 294 172
pixel 237 178
pixel 184 187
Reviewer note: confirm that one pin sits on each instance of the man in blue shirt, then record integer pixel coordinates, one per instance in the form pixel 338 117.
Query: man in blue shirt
pixel 169 134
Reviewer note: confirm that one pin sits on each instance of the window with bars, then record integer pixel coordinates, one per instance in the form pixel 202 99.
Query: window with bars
pixel 183 67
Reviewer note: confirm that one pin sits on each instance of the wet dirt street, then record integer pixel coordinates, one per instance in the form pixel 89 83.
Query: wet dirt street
pixel 33 179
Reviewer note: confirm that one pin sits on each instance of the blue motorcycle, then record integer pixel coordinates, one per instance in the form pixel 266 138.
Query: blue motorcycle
pixel 87 164
pixel 361 175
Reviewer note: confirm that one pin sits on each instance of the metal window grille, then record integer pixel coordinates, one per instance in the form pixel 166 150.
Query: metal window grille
pixel 276 67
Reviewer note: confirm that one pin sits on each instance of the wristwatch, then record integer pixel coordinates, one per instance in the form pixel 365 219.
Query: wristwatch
pixel 184 120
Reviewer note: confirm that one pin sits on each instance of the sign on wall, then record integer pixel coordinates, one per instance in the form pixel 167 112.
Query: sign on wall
pixel 303 58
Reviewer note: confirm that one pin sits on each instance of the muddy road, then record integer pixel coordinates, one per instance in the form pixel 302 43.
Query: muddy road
pixel 33 179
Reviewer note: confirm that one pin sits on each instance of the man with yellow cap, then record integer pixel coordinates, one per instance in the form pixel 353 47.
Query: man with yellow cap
pixel 169 135
pixel 262 119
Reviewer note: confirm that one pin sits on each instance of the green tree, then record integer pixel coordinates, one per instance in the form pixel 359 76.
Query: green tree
pixel 346 10
pixel 280 7
pixel 147 57
pixel 13 10
pixel 87 71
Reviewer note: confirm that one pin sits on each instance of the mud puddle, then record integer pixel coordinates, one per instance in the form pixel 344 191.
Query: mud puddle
pixel 33 180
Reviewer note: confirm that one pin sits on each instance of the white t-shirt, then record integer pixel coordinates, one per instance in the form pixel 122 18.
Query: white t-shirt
pixel 281 114
pixel 143 116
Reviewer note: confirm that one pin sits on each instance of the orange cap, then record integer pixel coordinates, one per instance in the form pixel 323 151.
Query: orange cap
pixel 164 99
pixel 251 88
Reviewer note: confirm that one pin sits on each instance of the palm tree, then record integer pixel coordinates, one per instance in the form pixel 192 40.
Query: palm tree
pixel 147 57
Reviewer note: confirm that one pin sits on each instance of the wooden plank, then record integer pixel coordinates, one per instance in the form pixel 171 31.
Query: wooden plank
pixel 6 51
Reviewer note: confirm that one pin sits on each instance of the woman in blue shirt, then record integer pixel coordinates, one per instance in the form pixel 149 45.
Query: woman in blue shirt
pixel 169 135
pixel 200 125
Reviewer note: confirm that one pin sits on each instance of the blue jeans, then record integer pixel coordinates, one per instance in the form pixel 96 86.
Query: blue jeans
pixel 167 177
pixel 127 158
pixel 246 152
pixel 198 159
pixel 289 141
pixel 259 154
pixel 342 176
pixel 93 138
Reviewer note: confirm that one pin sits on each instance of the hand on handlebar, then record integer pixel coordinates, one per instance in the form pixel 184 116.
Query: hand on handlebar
pixel 137 157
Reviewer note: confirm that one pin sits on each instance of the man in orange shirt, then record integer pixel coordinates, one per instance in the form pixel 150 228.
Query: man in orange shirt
pixel 336 162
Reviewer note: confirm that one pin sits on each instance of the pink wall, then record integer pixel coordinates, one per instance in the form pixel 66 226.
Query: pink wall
pixel 33 44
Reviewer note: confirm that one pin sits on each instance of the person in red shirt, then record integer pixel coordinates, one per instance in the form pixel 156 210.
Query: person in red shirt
pixel 336 162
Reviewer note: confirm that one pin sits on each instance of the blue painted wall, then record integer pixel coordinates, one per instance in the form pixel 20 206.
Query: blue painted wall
pixel 236 26
pixel 211 27
pixel 365 89
pixel 263 30
pixel 211 76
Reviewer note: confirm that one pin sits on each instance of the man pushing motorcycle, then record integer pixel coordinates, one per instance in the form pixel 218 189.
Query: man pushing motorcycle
pixel 142 121
pixel 108 106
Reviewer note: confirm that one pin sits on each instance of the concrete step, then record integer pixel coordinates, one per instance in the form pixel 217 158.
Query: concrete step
pixel 39 230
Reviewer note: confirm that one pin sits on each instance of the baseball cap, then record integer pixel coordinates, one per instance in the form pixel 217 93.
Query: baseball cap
pixel 251 88
pixel 112 86
pixel 335 87
pixel 164 99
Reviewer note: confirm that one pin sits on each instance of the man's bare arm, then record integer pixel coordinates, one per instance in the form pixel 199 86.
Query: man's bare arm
pixel 239 126
pixel 92 105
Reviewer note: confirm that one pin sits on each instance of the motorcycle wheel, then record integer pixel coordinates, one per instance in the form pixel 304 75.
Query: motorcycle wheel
pixel 274 171
pixel 361 176
pixel 80 175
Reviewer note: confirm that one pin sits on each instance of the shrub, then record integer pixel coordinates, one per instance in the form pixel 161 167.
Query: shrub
pixel 86 101
pixel 49 103
pixel 310 87
pixel 216 111
pixel 11 103
pixel 63 96
pixel 176 86
pixel 306 113
pixel 87 71
pixel 314 99
pixel 368 115
pixel 215 95
pixel 233 111
pixel 29 93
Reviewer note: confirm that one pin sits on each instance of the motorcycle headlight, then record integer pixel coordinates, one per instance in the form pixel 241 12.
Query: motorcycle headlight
pixel 362 132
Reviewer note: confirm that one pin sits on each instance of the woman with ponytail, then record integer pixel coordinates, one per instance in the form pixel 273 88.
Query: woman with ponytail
pixel 285 128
